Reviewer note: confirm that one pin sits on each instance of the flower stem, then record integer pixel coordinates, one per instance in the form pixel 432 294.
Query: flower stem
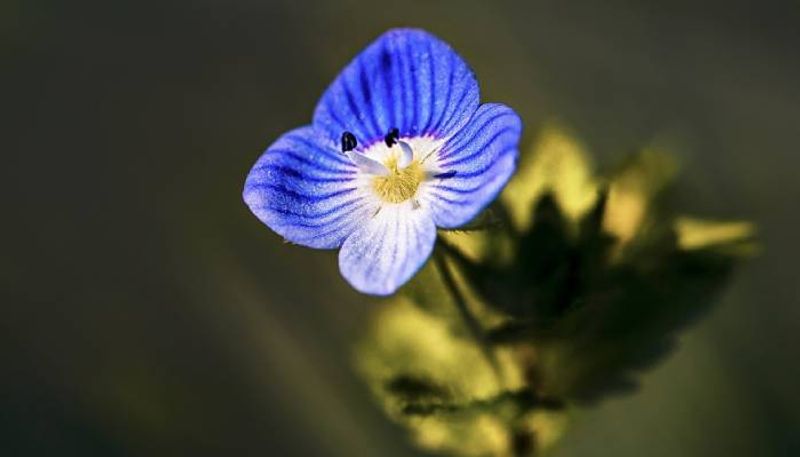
pixel 471 322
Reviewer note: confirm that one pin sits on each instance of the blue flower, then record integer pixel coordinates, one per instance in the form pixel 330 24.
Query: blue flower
pixel 397 147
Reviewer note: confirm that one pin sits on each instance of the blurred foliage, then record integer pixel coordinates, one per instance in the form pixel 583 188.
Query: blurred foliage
pixel 557 296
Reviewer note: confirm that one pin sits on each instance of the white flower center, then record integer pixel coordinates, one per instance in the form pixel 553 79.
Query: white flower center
pixel 396 172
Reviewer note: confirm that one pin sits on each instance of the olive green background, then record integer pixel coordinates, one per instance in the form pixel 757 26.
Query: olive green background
pixel 144 311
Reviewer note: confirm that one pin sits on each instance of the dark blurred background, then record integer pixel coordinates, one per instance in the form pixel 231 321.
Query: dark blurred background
pixel 144 311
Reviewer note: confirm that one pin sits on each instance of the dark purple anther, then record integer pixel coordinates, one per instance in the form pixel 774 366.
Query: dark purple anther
pixel 348 142
pixel 392 137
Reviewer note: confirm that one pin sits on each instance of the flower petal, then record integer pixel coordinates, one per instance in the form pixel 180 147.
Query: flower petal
pixel 306 191
pixel 407 79
pixel 384 253
pixel 475 165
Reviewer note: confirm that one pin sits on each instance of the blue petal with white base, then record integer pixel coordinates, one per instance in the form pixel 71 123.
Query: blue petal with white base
pixel 479 160
pixel 398 146
pixel 306 191
pixel 407 79
pixel 385 252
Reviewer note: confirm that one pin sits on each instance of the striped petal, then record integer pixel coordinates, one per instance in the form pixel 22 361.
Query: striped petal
pixel 475 164
pixel 384 253
pixel 407 79
pixel 306 190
